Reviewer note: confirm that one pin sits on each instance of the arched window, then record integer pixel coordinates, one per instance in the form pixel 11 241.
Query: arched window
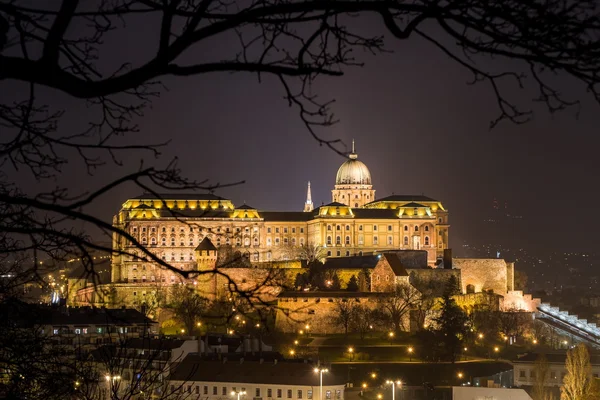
pixel 144 240
pixel 347 227
pixel 164 229
pixel 405 228
pixel 153 241
pixel 361 239
pixel 347 240
pixel 426 228
pixel 470 289
pixel 375 240
pixel 338 240
pixel 293 241
pixel 256 241
pixel 439 220
pixel 356 196
pixel 329 240
pixel 390 240
pixel 338 228
pixel 355 205
pixel 426 240
pixel 164 241
pixel 328 227
pixel 238 242
pixel 247 242
pixel 416 228
pixel 406 240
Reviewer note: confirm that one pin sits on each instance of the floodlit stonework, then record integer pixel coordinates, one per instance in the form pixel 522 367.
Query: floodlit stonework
pixel 377 243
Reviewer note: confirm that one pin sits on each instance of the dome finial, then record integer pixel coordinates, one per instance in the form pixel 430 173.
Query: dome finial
pixel 353 155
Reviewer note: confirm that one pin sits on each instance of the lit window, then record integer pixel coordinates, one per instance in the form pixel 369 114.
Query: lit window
pixel 375 240
pixel 406 240
pixel 375 228
pixel 426 240
pixel 347 240
pixel 390 240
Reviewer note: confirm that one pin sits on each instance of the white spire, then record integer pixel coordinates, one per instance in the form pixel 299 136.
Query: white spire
pixel 308 206
pixel 352 145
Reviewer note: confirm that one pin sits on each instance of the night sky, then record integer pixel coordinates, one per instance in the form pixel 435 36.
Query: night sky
pixel 418 127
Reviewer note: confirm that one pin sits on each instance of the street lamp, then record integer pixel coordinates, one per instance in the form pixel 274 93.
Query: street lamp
pixel 320 372
pixel 410 351
pixel 292 352
pixel 480 336
pixel 351 351
pixel 394 383
pixel 242 393
pixel 391 336
pixel 373 375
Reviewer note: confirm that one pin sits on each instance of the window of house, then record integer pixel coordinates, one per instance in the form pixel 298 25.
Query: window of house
pixel 390 240
pixel 205 389
pixel 329 240
pixel 285 240
pixel 426 240
pixel 405 228
pixel 329 253
pixel 293 230
pixel 338 253
pixel 214 390
pixel 257 392
pixel 301 241
pixel 299 393
pixel 276 240
pixel 338 228
pixel 269 230
pixel 268 241
pixel 269 392
pixel 347 241
pixel 309 394
pixel 347 253
pixel 360 227
pixel 276 230
pixel 426 228
pixel 328 394
pixel 375 240
pixel 268 255
pixel 285 230
pixel 328 227
pixel 278 393
pixel 338 240
pixel 338 394
pixel 439 220
pixel 375 228
pixel 301 230
pixel 389 228
pixel 224 391
pixel 361 239
pixel 293 241
pixel 416 228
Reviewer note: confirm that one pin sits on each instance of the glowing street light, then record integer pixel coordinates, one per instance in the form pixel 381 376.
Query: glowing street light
pixel 296 342
pixel 292 352
pixel 480 336
pixel 460 375
pixel 410 352
pixel 394 383
pixel 534 341
pixel 364 385
pixel 351 351
pixel 320 372
pixel 373 375
pixel 238 393
pixel 391 336
pixel 379 396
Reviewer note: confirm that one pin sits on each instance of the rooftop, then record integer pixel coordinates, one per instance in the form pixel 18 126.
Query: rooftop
pixel 194 368
pixel 178 196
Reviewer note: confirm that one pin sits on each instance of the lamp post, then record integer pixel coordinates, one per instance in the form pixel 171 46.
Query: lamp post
pixel 320 372
pixel 410 351
pixel 393 383
pixel 238 393
pixel 351 351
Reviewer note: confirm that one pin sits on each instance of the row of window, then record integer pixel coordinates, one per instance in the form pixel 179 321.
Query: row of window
pixel 390 228
pixel 258 392
pixel 285 241
pixel 284 229
pixel 191 229
pixel 390 240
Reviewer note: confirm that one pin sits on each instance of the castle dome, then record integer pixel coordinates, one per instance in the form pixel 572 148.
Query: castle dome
pixel 353 171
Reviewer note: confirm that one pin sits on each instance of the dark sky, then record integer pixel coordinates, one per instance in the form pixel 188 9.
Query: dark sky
pixel 418 127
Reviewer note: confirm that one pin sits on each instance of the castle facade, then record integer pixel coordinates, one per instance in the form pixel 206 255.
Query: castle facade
pixel 354 223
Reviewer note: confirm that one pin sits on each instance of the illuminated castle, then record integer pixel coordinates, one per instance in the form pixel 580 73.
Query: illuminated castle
pixel 354 223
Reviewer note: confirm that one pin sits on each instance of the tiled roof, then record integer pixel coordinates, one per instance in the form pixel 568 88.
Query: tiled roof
pixel 354 262
pixel 405 197
pixel 554 358
pixel 412 204
pixel 291 216
pixel 245 207
pixel 206 244
pixel 179 196
pixel 194 369
pixel 396 264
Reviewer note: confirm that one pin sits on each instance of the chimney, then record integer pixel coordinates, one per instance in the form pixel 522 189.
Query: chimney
pixel 447 258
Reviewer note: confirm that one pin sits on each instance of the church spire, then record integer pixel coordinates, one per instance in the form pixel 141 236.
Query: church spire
pixel 308 206
pixel 353 155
